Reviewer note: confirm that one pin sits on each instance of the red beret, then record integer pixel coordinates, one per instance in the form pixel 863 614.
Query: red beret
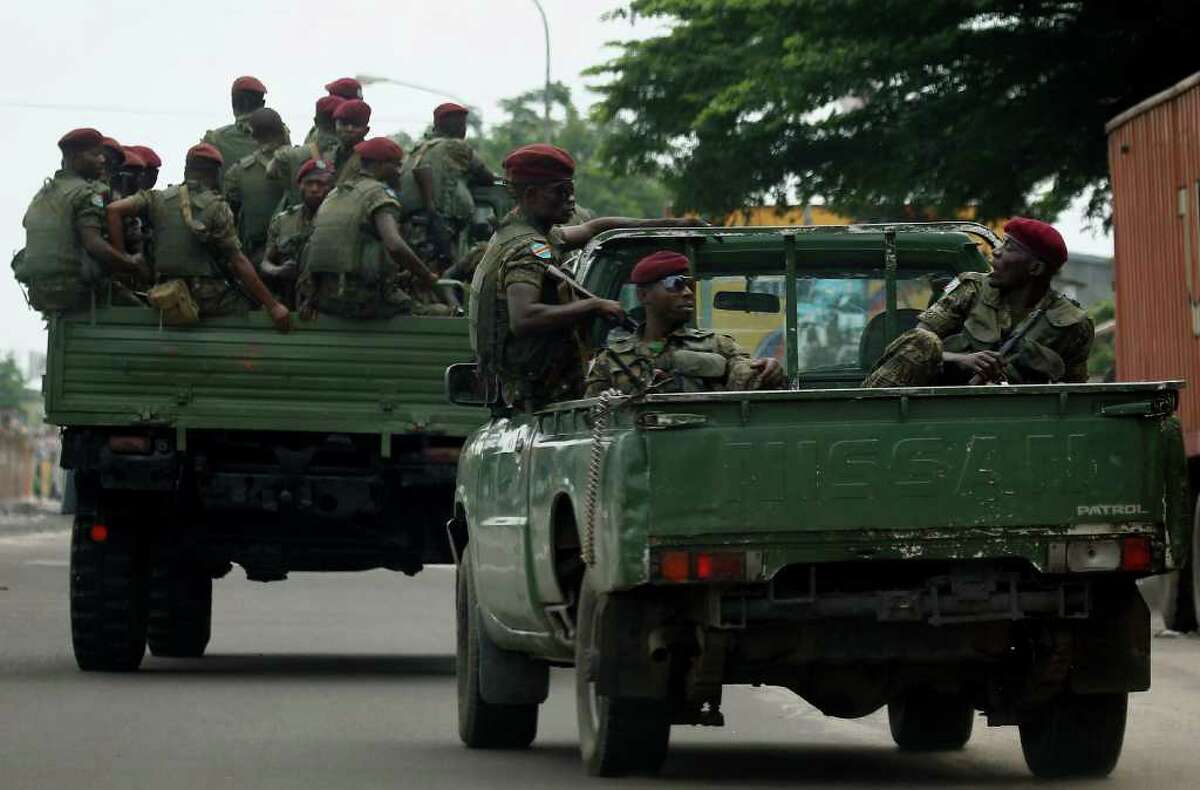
pixel 379 149
pixel 449 108
pixel 318 166
pixel 81 138
pixel 132 157
pixel 205 151
pixel 249 84
pixel 327 105
pixel 1042 239
pixel 355 111
pixel 346 87
pixel 658 265
pixel 538 163
pixel 113 145
pixel 147 154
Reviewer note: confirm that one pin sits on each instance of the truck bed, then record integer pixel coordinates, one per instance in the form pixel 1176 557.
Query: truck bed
pixel 119 367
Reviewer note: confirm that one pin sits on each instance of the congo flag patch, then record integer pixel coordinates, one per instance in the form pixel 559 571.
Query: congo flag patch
pixel 541 249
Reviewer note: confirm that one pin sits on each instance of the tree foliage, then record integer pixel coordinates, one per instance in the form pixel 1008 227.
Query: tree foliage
pixel 12 383
pixel 595 183
pixel 879 105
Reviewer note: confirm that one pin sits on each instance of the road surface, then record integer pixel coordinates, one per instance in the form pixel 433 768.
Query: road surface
pixel 347 681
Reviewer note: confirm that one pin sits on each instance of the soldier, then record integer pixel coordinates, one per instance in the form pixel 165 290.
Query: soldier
pixel 289 231
pixel 288 160
pixel 958 339
pixel 66 259
pixel 435 187
pixel 351 264
pixel 345 88
pixel 251 193
pixel 665 354
pixel 235 140
pixel 114 158
pixel 152 164
pixel 351 121
pixel 525 329
pixel 195 239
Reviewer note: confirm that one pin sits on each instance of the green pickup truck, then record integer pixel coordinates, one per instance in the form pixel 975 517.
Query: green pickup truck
pixel 939 551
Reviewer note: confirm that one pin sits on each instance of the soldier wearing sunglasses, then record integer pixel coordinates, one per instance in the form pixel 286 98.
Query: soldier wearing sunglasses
pixel 525 328
pixel 666 354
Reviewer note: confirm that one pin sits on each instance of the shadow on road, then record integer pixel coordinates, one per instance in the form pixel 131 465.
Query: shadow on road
pixel 291 665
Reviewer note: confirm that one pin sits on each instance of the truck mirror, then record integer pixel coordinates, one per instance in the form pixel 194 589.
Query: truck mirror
pixel 465 387
pixel 746 302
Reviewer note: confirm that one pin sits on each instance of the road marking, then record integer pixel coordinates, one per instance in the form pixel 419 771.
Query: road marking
pixel 47 563
pixel 35 538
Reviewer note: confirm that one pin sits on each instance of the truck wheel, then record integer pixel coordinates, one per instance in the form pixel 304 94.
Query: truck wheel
pixel 481 724
pixel 180 621
pixel 108 596
pixel 1076 735
pixel 929 722
pixel 1180 598
pixel 616 736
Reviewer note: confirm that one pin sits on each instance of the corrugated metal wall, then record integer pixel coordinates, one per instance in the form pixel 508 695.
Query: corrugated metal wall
pixel 1153 155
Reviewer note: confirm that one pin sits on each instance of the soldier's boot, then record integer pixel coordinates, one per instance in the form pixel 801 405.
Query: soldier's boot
pixel 912 360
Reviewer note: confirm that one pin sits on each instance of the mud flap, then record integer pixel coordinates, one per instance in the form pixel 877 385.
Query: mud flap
pixel 507 677
pixel 1111 650
pixel 626 669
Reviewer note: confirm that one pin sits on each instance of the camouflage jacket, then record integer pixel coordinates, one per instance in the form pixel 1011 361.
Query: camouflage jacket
pixel 973 316
pixel 286 163
pixel 688 360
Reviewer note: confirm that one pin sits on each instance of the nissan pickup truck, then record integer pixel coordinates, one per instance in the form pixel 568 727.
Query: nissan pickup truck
pixel 945 552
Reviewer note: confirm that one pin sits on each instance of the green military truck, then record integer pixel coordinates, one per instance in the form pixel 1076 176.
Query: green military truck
pixel 330 448
pixel 940 551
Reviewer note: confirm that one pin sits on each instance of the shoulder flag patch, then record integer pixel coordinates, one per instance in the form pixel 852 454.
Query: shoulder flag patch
pixel 98 200
pixel 541 249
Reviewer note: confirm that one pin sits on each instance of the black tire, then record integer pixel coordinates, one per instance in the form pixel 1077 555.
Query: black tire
pixel 180 618
pixel 1180 598
pixel 108 597
pixel 929 722
pixel 616 736
pixel 481 724
pixel 1193 567
pixel 1076 735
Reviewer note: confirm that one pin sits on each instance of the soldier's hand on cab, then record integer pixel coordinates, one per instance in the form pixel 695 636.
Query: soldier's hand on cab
pixel 281 317
pixel 769 373
pixel 608 310
pixel 988 365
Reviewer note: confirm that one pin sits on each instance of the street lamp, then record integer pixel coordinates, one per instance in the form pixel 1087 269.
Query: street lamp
pixel 372 79
pixel 546 91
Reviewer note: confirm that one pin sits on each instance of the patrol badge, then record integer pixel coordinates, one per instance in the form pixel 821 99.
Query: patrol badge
pixel 541 250
pixel 98 200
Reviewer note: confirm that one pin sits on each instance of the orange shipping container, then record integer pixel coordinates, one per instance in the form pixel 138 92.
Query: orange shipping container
pixel 1154 159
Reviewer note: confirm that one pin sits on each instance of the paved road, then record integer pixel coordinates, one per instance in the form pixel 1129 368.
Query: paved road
pixel 347 681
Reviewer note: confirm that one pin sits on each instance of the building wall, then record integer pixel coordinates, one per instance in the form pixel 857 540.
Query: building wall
pixel 1154 160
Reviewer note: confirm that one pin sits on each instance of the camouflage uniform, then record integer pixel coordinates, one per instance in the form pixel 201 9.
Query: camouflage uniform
pixel 194 253
pixel 286 163
pixel 288 234
pixel 235 141
pixel 973 316
pixel 688 360
pixel 54 267
pixel 248 186
pixel 456 167
pixel 536 369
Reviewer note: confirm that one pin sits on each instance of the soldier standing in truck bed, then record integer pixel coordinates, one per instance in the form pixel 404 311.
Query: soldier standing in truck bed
pixel 959 338
pixel 252 195
pixel 345 88
pixel 355 254
pixel 288 233
pixel 66 261
pixel 149 174
pixel 352 121
pixel 235 140
pixel 667 355
pixel 285 165
pixel 195 240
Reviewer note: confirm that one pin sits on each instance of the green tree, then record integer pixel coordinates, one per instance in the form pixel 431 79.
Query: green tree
pixel 595 183
pixel 882 105
pixel 12 383
pixel 1102 360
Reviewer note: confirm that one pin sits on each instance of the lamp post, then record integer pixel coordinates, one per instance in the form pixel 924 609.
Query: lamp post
pixel 372 79
pixel 546 90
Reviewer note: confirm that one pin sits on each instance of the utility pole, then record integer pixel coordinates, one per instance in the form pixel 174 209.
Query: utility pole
pixel 546 90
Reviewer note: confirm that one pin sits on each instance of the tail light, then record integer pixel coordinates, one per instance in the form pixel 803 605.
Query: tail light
pixel 1136 554
pixel 98 533
pixel 130 445
pixel 678 566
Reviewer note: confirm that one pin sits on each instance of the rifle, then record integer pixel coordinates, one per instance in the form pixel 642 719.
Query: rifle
pixel 626 323
pixel 1017 336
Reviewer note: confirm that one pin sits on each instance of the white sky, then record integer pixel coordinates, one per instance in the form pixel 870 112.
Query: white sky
pixel 158 74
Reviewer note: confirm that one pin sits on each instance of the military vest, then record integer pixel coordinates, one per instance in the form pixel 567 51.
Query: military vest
pixel 293 233
pixel 691 359
pixel 1036 360
pixel 498 351
pixel 234 141
pixel 259 199
pixel 451 195
pixel 52 247
pixel 343 239
pixel 180 248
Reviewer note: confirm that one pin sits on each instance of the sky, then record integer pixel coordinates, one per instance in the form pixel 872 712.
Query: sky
pixel 158 74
